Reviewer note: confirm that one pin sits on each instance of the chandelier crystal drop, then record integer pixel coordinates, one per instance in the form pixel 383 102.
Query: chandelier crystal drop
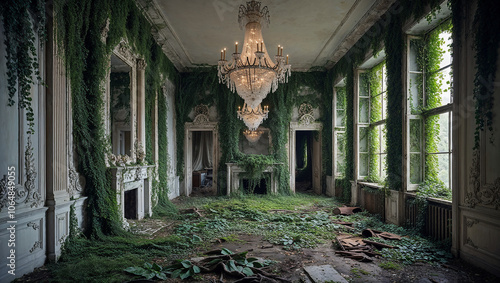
pixel 253 117
pixel 252 73
pixel 253 136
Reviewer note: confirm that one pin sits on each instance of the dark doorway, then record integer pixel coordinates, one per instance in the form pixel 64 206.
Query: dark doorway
pixel 131 204
pixel 303 160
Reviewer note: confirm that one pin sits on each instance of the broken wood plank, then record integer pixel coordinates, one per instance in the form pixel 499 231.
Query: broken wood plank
pixel 389 236
pixel 379 245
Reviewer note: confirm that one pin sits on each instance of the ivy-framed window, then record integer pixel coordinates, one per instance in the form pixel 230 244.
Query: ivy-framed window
pixel 372 101
pixel 339 128
pixel 430 79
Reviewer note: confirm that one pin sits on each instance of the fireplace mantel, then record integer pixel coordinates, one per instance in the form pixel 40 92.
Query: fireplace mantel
pixel 233 178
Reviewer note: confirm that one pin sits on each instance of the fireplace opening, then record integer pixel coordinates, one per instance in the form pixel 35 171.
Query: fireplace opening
pixel 259 189
pixel 131 204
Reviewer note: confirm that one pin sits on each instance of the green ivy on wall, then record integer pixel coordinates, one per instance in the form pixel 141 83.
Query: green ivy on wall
pixel 486 41
pixel 20 20
pixel 79 28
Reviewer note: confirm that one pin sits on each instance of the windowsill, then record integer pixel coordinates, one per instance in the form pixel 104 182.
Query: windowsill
pixel 371 185
pixel 438 200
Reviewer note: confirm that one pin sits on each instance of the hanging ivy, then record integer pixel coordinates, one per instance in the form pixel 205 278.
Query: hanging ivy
pixel 20 21
pixel 79 28
pixel 486 42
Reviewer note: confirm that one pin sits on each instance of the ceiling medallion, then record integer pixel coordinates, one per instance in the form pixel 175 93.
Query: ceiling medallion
pixel 252 73
pixel 253 136
pixel 253 117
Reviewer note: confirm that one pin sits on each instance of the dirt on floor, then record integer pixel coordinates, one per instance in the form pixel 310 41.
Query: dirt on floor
pixel 289 264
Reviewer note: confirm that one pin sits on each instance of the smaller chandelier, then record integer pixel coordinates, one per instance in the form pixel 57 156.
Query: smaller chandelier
pixel 253 117
pixel 253 136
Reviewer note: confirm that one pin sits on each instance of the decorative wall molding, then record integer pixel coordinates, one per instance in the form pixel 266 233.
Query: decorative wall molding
pixel 33 197
pixel 4 192
pixel 141 64
pixel 471 222
pixel 33 225
pixel 37 244
pixel 485 194
pixel 306 114
pixel 471 243
pixel 201 115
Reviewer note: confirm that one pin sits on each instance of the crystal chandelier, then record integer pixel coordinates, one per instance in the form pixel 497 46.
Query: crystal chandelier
pixel 253 117
pixel 252 73
pixel 253 136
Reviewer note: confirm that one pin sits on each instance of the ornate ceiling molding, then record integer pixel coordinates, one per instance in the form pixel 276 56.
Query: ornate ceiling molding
pixel 379 8
pixel 164 35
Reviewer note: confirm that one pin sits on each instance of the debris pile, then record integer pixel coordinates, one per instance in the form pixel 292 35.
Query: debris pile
pixel 358 248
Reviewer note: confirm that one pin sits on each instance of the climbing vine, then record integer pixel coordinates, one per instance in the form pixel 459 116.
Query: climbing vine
pixel 20 21
pixel 486 41
pixel 80 26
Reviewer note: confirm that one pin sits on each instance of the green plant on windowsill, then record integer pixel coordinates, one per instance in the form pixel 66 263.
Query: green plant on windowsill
pixel 434 189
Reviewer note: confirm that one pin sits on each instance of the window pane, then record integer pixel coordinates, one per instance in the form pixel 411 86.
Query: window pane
pixel 445 80
pixel 340 103
pixel 445 45
pixel 415 44
pixel 363 139
pixel 376 108
pixel 415 135
pixel 363 164
pixel 383 166
pixel 443 136
pixel 339 119
pixel 444 168
pixel 364 110
pixel 415 92
pixel 383 138
pixel 340 157
pixel 415 168
pixel 364 85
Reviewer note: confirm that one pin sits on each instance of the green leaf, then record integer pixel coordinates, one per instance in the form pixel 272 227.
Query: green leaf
pixel 215 261
pixel 176 273
pixel 161 275
pixel 148 274
pixel 186 274
pixel 196 269
pixel 148 265
pixel 225 251
pixel 156 267
pixel 247 271
pixel 186 263
pixel 232 266
pixel 257 264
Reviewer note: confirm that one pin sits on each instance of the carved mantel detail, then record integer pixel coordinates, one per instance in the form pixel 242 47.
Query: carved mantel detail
pixel 485 194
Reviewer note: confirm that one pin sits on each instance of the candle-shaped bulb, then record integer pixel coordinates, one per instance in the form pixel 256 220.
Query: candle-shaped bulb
pixel 278 50
pixel 257 47
pixel 287 59
pixel 281 54
pixel 221 54
pixel 236 47
pixel 261 43
pixel 224 53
